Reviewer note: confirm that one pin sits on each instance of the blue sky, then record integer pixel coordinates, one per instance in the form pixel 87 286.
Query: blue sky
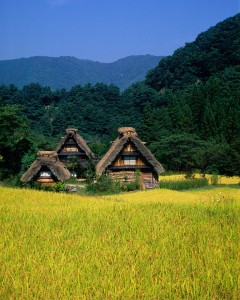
pixel 105 30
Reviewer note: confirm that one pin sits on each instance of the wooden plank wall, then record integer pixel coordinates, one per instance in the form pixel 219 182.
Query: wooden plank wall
pixel 47 181
pixel 123 175
pixel 128 148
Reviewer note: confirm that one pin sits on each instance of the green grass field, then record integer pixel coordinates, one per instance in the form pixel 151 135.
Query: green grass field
pixel 157 244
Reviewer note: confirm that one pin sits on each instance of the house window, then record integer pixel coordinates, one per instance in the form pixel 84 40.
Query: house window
pixel 129 160
pixel 74 174
pixel 45 174
pixel 71 156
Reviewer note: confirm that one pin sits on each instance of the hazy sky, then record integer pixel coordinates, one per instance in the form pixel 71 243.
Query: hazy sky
pixel 105 30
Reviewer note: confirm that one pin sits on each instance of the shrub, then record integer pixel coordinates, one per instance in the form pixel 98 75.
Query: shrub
pixel 104 185
pixel 214 179
pixel 184 184
pixel 59 187
pixel 131 186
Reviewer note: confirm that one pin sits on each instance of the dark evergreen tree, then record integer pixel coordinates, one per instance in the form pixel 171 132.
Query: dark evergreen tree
pixel 15 139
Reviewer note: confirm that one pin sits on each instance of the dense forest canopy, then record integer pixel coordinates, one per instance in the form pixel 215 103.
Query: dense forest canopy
pixel 187 110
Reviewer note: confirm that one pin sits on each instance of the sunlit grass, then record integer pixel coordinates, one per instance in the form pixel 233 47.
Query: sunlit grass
pixel 221 178
pixel 229 180
pixel 157 244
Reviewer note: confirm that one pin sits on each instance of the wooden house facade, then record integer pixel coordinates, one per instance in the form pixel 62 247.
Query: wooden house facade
pixel 128 154
pixel 46 169
pixel 73 146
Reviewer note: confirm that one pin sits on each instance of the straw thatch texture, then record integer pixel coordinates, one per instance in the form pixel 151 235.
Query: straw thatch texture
pixel 127 134
pixel 48 159
pixel 72 132
pixel 127 131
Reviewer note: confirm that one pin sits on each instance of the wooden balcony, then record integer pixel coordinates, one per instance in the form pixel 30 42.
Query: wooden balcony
pixel 71 153
pixel 130 167
pixel 129 153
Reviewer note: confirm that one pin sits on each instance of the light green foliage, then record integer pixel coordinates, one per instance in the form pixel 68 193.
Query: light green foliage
pixel 144 245
pixel 60 186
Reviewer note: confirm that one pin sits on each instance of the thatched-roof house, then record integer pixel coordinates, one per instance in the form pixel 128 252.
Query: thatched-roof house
pixel 46 169
pixel 73 146
pixel 128 154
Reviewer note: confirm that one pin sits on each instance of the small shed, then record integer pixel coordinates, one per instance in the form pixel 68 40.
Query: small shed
pixel 46 169
pixel 128 154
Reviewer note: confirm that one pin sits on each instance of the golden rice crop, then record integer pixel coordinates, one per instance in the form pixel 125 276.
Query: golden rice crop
pixel 157 244
pixel 221 178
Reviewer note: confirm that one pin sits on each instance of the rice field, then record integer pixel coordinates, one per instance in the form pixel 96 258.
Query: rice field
pixel 157 244
pixel 221 178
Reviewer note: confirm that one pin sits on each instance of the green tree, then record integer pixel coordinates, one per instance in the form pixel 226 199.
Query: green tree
pixel 15 139
pixel 177 152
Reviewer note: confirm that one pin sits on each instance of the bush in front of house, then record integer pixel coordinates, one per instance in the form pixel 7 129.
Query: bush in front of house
pixel 104 185
pixel 130 186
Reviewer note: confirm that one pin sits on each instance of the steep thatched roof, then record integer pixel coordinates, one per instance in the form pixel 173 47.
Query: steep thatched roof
pixel 127 134
pixel 72 133
pixel 48 159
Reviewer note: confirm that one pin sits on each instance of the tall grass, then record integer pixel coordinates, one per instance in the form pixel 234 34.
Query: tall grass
pixel 183 184
pixel 157 244
pixel 221 179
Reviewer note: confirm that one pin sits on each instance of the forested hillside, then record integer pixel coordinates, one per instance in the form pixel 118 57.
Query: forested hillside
pixel 65 72
pixel 198 118
pixel 187 110
pixel 213 52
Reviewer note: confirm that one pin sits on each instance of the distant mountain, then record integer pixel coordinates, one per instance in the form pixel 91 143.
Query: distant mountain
pixel 65 71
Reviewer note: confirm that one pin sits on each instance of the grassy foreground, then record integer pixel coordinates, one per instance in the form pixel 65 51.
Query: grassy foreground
pixel 158 244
